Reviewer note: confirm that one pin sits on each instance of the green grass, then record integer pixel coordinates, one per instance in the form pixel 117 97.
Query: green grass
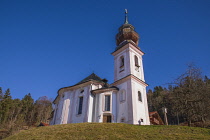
pixel 112 131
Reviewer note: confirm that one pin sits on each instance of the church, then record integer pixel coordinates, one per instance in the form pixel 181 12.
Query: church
pixel 94 100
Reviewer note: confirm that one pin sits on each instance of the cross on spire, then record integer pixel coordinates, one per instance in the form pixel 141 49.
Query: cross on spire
pixel 126 16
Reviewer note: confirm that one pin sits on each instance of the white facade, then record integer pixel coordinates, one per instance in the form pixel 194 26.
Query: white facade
pixel 94 100
pixel 131 80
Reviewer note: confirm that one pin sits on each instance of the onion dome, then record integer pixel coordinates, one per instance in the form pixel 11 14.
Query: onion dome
pixel 127 32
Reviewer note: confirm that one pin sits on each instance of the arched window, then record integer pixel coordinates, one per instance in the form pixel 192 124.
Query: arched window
pixel 121 61
pixel 139 96
pixel 136 61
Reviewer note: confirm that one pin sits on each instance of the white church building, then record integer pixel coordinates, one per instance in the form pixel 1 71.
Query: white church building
pixel 94 100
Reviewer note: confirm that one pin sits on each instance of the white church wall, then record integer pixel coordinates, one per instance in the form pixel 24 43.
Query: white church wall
pixel 59 111
pixel 90 110
pixel 93 105
pixel 140 107
pixel 88 104
pixel 114 107
pixel 138 72
pixel 100 106
pixel 98 110
pixel 71 105
pixel 122 106
pixel 79 118
pixel 119 73
pixel 132 110
pixel 66 105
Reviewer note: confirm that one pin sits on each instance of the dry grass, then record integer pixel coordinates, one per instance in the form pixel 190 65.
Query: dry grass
pixel 112 131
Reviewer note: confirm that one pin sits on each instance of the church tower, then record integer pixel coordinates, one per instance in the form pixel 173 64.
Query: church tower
pixel 129 77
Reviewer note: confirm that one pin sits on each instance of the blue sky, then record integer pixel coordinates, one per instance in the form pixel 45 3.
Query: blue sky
pixel 47 44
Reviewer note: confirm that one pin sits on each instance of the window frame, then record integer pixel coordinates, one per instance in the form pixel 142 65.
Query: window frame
pixel 136 61
pixel 80 105
pixel 107 106
pixel 122 63
pixel 139 96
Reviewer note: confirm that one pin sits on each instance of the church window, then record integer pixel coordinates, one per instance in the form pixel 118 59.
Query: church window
pixel 139 96
pixel 136 61
pixel 107 103
pixel 80 105
pixel 122 62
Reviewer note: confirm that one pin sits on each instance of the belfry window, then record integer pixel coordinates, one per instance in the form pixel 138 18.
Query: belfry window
pixel 136 61
pixel 107 103
pixel 122 62
pixel 139 96
pixel 80 105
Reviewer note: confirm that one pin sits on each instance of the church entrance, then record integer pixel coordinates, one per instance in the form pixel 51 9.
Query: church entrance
pixel 107 118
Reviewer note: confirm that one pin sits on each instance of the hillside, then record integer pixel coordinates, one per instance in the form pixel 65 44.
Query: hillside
pixel 111 131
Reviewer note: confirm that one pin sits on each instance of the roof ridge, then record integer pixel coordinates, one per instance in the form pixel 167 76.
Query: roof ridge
pixel 92 76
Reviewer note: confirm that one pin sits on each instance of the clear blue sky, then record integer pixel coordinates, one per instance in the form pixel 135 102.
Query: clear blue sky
pixel 47 44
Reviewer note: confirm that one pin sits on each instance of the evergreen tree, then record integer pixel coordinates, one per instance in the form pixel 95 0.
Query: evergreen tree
pixel 1 107
pixel 27 109
pixel 6 104
pixel 1 94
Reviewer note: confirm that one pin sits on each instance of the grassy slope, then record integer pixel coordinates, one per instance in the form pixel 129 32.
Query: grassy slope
pixel 112 131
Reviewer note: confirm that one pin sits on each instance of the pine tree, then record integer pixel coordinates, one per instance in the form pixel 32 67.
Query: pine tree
pixel 27 108
pixel 1 94
pixel 6 104
pixel 1 108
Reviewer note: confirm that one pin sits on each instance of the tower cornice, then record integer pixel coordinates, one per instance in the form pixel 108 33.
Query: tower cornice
pixel 130 76
pixel 128 44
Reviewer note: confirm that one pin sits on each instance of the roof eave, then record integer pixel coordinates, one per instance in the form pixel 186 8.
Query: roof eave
pixel 96 91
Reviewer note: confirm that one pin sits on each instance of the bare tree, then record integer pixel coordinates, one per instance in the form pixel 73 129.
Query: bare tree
pixel 190 96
